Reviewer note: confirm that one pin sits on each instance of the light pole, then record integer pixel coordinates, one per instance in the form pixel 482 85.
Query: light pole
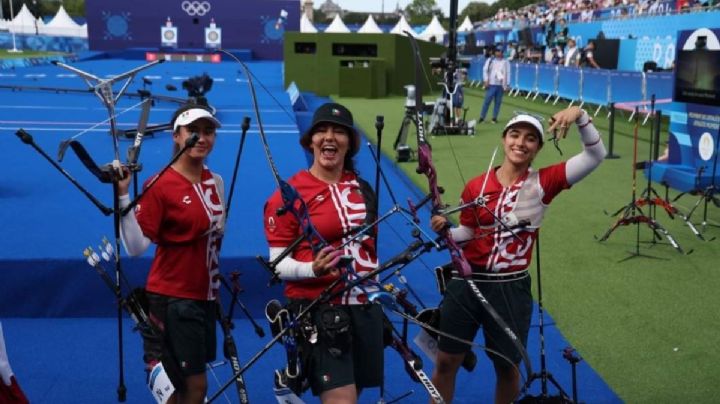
pixel 12 31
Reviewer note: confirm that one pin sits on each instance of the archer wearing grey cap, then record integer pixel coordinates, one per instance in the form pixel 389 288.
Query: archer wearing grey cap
pixel 497 237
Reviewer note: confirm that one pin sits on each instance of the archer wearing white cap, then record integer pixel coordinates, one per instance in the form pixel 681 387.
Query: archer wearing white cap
pixel 498 242
pixel 183 213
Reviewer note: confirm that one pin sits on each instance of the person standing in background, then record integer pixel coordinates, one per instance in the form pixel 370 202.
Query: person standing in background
pixel 496 74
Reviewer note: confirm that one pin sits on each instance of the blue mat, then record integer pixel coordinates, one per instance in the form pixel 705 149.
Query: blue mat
pixel 58 315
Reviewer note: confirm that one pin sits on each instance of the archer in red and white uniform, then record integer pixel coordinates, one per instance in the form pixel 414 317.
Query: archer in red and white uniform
pixel 499 245
pixel 182 212
pixel 338 201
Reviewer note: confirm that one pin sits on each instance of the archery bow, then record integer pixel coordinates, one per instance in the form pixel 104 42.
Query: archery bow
pixel 427 168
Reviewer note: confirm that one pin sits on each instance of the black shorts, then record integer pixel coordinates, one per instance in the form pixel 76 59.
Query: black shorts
pixel 188 333
pixel 461 314
pixel 359 362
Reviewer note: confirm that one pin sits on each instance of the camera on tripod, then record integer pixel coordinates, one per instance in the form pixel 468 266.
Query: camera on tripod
pixel 197 87
pixel 403 152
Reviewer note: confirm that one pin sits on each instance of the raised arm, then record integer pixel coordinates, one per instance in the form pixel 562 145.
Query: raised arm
pixel 593 152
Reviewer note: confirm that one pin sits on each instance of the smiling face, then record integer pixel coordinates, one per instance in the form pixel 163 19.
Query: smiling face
pixel 521 144
pixel 206 132
pixel 330 143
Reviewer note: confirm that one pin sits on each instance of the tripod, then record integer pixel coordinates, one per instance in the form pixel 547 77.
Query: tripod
pixel 403 152
pixel 632 213
pixel 543 375
pixel 650 196
pixel 709 194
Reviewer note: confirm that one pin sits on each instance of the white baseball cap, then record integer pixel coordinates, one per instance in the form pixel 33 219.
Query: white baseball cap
pixel 525 118
pixel 191 115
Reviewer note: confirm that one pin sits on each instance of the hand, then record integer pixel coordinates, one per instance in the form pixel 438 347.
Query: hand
pixel 485 85
pixel 438 223
pixel 325 261
pixel 124 182
pixel 561 121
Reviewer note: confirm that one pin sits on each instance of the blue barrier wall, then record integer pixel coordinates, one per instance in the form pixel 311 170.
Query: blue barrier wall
pixel 595 86
pixel 44 43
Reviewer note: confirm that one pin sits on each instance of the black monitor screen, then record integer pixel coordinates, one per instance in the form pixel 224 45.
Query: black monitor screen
pixel 697 77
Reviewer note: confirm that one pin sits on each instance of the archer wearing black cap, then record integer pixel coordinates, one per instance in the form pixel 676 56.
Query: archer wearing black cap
pixel 348 353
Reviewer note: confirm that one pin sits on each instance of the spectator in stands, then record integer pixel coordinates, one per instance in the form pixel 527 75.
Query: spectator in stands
pixel 587 59
pixel 550 32
pixel 555 56
pixel 561 36
pixel 587 14
pixel 512 52
pixel 496 74
pixel 572 54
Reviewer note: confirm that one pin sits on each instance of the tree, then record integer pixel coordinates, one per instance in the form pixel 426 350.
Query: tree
pixel 477 11
pixel 422 11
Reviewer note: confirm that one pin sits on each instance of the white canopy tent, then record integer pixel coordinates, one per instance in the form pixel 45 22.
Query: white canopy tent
pixel 63 25
pixel 402 26
pixel 337 26
pixel 24 22
pixel 370 26
pixel 306 25
pixel 434 32
pixel 466 25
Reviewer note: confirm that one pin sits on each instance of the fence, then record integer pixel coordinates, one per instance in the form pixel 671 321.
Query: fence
pixel 586 86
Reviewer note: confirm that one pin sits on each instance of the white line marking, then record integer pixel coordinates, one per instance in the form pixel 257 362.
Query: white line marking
pixel 38 75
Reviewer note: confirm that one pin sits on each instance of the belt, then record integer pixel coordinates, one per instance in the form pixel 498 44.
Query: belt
pixel 494 277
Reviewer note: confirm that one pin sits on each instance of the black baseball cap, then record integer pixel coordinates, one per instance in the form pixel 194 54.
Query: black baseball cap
pixel 333 113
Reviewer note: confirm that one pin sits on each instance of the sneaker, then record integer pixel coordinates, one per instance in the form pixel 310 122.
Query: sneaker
pixel 481 120
pixel 494 121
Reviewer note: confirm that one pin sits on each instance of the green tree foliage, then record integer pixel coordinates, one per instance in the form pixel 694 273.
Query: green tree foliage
pixel 477 11
pixel 421 11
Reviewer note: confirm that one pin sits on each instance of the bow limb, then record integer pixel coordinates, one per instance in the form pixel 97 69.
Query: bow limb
pixel 427 168
pixel 292 202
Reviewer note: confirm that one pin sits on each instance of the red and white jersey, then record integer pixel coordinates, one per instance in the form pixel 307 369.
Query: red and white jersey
pixel 521 204
pixel 185 220
pixel 334 210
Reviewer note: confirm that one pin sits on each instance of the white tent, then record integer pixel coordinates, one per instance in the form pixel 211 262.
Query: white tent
pixel 63 25
pixel 337 26
pixel 434 31
pixel 24 22
pixel 306 25
pixel 402 26
pixel 466 25
pixel 370 26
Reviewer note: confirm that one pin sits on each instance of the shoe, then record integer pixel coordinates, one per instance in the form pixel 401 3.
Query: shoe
pixel 494 121
pixel 481 120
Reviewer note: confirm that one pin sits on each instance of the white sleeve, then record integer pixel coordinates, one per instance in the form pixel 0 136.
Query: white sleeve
pixel 461 233
pixel 290 269
pixel 131 234
pixel 582 164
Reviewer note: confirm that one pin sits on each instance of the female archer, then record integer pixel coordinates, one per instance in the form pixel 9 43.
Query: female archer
pixel 344 351
pixel 499 253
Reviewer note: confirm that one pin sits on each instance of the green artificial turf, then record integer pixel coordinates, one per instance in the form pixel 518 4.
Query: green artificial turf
pixel 649 326
pixel 4 54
